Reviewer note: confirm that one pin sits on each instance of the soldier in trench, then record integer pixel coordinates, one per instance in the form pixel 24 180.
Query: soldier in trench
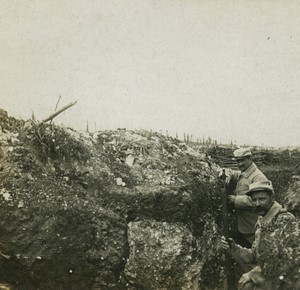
pixel 262 196
pixel 247 174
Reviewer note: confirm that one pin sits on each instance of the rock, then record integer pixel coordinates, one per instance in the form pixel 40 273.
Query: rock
pixel 162 256
pixel 119 181
pixel 7 196
pixel 129 160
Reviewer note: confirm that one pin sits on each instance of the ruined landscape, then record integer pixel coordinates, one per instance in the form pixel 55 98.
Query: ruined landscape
pixel 124 209
pixel 117 119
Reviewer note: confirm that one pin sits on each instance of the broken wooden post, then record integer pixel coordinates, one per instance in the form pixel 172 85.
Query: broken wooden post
pixel 52 116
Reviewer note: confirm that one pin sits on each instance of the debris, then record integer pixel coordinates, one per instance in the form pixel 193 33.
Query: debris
pixel 88 187
pixel 7 257
pixel 119 181
pixel 129 160
pixel 7 196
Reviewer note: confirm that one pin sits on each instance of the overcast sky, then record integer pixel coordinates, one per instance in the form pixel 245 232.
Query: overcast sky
pixel 225 69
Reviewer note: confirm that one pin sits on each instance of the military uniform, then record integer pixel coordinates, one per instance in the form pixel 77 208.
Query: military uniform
pixel 250 256
pixel 246 217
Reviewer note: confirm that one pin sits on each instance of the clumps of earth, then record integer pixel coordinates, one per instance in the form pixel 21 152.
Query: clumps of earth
pixel 106 210
pixel 116 209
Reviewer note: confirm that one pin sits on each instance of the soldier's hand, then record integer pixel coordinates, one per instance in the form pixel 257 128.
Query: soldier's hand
pixel 220 174
pixel 244 280
pixel 225 244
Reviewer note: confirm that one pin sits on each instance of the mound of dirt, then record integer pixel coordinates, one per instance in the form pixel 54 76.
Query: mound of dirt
pixel 75 205
pixel 292 196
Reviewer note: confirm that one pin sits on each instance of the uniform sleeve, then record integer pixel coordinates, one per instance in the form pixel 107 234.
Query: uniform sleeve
pixel 243 254
pixel 256 276
pixel 233 174
pixel 259 177
pixel 243 201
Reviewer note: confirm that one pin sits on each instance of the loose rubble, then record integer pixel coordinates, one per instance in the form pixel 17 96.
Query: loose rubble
pixel 68 200
pixel 116 209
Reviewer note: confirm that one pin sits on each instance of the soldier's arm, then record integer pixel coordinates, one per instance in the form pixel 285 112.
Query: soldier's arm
pixel 256 275
pixel 259 177
pixel 243 201
pixel 233 174
pixel 244 254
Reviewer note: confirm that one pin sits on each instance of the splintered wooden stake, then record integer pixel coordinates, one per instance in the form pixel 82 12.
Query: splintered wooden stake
pixel 52 116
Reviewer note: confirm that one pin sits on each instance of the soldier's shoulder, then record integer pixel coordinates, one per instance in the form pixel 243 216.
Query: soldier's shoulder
pixel 258 176
pixel 284 214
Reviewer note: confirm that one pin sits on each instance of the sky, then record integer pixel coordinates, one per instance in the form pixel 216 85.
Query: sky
pixel 229 70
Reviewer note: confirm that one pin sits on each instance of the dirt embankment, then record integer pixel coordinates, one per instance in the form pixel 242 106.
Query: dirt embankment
pixel 109 210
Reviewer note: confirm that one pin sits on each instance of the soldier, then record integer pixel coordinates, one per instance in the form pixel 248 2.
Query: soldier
pixel 261 194
pixel 247 174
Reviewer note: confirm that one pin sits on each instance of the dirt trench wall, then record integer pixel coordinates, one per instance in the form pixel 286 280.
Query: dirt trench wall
pixel 57 249
pixel 292 197
pixel 74 206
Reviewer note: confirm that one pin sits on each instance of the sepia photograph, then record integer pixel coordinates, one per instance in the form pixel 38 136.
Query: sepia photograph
pixel 149 145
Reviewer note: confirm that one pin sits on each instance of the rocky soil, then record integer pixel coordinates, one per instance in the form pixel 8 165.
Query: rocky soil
pixel 116 210
pixel 109 210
